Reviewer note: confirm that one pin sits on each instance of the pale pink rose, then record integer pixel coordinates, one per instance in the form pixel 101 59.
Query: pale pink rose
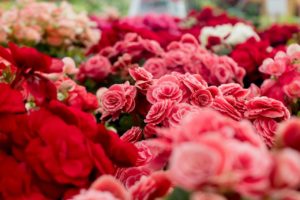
pixel 206 196
pixel 107 183
pixel 274 67
pixel 97 68
pixel 94 195
pixel 118 98
pixel 287 169
pixel 23 33
pixel 201 98
pixel 293 51
pixel 266 107
pixel 266 128
pixel 129 176
pixel 152 187
pixel 132 135
pixel 193 164
pixel 167 87
pixel 250 180
pixel 292 90
pixel 156 66
pixel 289 133
pixel 159 112
pixel 69 66
pixel 178 112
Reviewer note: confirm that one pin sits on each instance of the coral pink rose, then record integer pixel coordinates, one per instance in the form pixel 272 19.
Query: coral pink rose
pixel 129 176
pixel 156 66
pixel 132 135
pixel 97 68
pixel 159 112
pixel 193 164
pixel 289 133
pixel 178 112
pixel 152 187
pixel 250 180
pixel 292 90
pixel 167 87
pixel 287 169
pixel 266 128
pixel 118 98
pixel 275 67
pixel 266 107
pixel 142 77
pixel 201 98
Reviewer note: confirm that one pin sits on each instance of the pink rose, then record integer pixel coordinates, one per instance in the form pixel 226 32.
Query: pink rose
pixel 118 98
pixel 178 112
pixel 97 68
pixel 193 164
pixel 289 133
pixel 143 78
pixel 108 183
pixel 132 135
pixel 250 180
pixel 152 187
pixel 159 112
pixel 292 90
pixel 275 67
pixel 193 82
pixel 287 169
pixel 156 66
pixel 176 58
pixel 266 107
pixel 233 89
pixel 167 87
pixel 266 128
pixel 129 176
pixel 222 105
pixel 201 98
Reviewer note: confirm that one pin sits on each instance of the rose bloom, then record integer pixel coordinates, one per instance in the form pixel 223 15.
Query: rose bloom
pixel 201 98
pixel 193 164
pixel 159 112
pixel 286 170
pixel 288 134
pixel 266 107
pixel 118 98
pixel 129 176
pixel 156 66
pixel 97 68
pixel 167 87
pixel 178 112
pixel 266 128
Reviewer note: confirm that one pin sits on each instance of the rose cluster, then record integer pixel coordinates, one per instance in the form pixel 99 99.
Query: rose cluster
pixel 51 149
pixel 46 23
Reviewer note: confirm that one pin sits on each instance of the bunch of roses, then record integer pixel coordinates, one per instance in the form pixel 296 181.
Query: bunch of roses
pixel 223 38
pixel 118 58
pixel 183 56
pixel 279 35
pixel 283 83
pixel 162 28
pixel 163 102
pixel 220 159
pixel 50 150
pixel 49 24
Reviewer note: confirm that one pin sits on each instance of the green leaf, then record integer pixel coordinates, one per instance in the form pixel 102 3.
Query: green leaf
pixel 179 194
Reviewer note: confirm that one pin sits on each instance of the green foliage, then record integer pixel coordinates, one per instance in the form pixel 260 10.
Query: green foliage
pixel 179 194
